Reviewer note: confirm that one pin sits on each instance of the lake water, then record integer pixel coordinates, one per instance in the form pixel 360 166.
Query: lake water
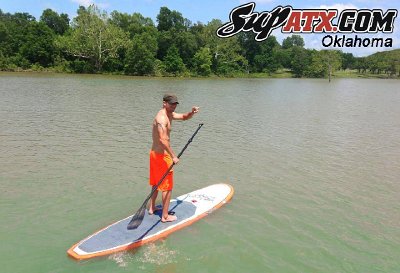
pixel 315 167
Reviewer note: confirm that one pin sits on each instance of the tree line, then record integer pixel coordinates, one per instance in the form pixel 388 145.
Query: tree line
pixel 131 44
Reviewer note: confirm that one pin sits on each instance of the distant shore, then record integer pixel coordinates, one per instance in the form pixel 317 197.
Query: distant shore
pixel 280 74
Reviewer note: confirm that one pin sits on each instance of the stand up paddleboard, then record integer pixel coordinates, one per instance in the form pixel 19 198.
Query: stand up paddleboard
pixel 189 208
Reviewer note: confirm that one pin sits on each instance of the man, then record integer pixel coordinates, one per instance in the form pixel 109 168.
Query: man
pixel 162 156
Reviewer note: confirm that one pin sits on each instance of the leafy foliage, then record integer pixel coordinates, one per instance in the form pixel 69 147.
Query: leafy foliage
pixel 38 47
pixel 58 23
pixel 291 41
pixel 141 56
pixel 93 38
pixel 323 62
pixel 173 62
pixel 134 45
pixel 202 61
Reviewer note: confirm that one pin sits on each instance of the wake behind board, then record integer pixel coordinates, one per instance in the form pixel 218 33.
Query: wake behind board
pixel 189 208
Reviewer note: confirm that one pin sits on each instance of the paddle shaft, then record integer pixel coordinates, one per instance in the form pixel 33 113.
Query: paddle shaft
pixel 170 167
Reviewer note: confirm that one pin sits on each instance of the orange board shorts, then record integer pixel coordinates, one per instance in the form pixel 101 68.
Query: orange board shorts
pixel 159 164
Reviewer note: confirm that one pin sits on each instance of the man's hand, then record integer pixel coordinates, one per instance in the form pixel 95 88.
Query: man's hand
pixel 195 109
pixel 175 160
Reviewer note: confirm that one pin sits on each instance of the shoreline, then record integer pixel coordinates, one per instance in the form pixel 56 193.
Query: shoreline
pixel 281 74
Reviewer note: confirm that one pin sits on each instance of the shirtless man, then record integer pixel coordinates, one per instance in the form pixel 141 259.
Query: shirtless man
pixel 162 156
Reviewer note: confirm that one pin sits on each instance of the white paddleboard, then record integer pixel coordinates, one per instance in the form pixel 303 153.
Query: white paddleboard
pixel 188 208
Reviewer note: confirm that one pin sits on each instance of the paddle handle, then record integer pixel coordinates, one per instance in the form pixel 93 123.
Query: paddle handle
pixel 190 140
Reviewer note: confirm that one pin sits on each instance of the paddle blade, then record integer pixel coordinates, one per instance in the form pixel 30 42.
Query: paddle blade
pixel 137 219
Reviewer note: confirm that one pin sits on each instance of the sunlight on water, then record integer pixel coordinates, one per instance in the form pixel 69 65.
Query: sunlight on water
pixel 122 259
pixel 153 254
pixel 157 254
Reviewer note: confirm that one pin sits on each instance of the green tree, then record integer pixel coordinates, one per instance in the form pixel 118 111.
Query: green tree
pixel 318 67
pixel 250 48
pixel 168 20
pixel 187 46
pixel 173 62
pixel 197 31
pixel 265 59
pixel 174 30
pixel 15 30
pixel 301 60
pixel 3 62
pixel 185 42
pixel 284 57
pixel 393 67
pixel 39 45
pixel 133 24
pixel 348 61
pixel 291 41
pixel 202 61
pixel 58 23
pixel 165 41
pixel 141 55
pixel 227 58
pixel 93 38
pixel 4 37
pixel 361 64
pixel 262 56
pixel 324 63
pixel 24 42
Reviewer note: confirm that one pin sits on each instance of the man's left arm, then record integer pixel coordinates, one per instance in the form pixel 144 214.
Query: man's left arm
pixel 185 116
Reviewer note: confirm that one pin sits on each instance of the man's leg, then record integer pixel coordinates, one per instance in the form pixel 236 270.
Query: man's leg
pixel 152 207
pixel 166 198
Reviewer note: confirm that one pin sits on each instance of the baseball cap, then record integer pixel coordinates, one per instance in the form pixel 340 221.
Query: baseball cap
pixel 170 98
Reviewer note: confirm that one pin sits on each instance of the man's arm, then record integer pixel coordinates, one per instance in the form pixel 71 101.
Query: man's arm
pixel 185 116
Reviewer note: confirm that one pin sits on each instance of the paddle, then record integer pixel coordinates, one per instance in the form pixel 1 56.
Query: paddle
pixel 139 215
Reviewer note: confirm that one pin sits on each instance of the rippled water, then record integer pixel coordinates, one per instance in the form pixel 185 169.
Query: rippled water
pixel 315 167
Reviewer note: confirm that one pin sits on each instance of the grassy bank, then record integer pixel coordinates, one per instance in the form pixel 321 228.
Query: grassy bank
pixel 356 74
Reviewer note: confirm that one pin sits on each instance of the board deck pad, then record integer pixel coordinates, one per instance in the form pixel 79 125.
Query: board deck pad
pixel 188 208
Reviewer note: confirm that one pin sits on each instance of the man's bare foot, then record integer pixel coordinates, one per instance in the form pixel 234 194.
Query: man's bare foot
pixel 152 211
pixel 170 218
